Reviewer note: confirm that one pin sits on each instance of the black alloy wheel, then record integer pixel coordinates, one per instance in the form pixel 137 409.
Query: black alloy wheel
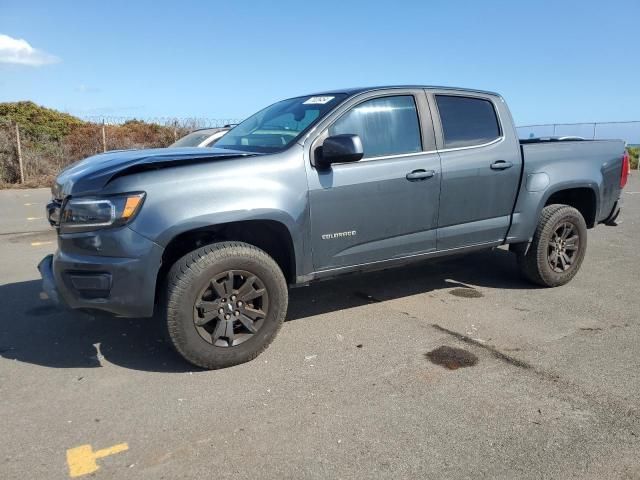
pixel 557 249
pixel 224 304
pixel 231 308
pixel 563 247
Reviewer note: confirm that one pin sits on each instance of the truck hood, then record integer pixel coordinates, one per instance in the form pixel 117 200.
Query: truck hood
pixel 93 173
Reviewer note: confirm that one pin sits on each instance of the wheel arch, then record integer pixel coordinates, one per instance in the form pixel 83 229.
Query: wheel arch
pixel 582 197
pixel 271 236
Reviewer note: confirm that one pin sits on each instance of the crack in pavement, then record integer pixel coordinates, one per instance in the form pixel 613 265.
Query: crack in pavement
pixel 494 351
pixel 609 407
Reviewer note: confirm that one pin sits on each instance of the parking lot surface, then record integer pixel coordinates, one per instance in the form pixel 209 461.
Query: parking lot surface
pixel 360 383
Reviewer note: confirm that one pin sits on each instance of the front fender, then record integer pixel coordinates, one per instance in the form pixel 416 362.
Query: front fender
pixel 184 198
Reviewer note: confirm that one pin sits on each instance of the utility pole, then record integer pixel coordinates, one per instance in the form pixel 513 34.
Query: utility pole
pixel 104 137
pixel 19 149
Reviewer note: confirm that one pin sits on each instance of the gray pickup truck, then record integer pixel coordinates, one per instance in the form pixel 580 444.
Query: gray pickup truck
pixel 313 187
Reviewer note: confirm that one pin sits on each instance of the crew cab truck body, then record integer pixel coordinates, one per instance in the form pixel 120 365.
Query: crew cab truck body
pixel 313 187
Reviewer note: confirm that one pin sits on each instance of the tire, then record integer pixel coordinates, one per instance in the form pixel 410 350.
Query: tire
pixel 537 262
pixel 207 321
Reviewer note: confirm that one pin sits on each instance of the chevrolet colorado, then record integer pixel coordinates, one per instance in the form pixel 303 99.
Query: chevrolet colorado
pixel 313 187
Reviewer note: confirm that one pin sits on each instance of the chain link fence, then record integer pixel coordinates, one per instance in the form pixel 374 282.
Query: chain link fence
pixel 627 131
pixel 31 157
pixel 190 123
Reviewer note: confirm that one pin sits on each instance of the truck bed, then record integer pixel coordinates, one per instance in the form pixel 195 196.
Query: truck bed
pixel 597 160
pixel 592 164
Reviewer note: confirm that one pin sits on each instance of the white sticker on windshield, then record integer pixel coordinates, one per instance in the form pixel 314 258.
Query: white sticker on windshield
pixel 318 100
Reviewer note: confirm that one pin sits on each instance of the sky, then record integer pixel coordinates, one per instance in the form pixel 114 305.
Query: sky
pixel 553 61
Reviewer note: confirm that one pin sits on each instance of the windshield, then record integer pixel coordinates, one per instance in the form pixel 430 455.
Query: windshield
pixel 193 139
pixel 278 126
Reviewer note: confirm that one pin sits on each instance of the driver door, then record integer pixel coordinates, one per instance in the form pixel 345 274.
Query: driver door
pixel 384 206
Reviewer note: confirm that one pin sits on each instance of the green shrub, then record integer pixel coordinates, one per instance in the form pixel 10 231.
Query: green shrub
pixel 634 153
pixel 51 140
pixel 36 121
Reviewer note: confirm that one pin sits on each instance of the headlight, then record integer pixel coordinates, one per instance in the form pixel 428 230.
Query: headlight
pixel 91 213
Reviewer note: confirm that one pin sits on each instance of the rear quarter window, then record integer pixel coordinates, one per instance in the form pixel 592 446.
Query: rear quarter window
pixel 467 121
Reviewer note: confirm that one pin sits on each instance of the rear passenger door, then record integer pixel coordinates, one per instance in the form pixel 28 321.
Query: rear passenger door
pixel 481 166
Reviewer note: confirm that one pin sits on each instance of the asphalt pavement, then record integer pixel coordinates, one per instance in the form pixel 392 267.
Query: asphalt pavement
pixel 454 368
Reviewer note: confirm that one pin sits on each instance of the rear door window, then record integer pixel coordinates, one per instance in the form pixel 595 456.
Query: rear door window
pixel 467 121
pixel 386 126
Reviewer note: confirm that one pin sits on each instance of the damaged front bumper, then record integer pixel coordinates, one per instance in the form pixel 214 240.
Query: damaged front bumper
pixel 45 267
pixel 114 270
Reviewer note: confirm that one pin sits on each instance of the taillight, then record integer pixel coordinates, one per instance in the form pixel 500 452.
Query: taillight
pixel 624 175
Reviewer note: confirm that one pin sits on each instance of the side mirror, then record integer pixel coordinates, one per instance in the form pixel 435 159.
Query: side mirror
pixel 340 149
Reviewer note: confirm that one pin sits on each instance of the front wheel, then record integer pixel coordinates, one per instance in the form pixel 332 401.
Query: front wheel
pixel 558 247
pixel 225 304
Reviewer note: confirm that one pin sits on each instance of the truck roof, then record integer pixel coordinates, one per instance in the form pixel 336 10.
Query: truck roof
pixel 357 90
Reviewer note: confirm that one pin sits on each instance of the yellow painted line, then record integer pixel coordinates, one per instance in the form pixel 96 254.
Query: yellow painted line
pixel 35 218
pixel 37 244
pixel 82 460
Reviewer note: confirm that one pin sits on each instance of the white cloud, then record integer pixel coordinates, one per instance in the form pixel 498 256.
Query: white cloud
pixel 18 51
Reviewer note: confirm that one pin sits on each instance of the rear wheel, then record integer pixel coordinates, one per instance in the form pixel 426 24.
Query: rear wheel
pixel 558 247
pixel 225 304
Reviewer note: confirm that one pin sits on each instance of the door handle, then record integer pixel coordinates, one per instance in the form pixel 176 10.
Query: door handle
pixel 501 165
pixel 420 174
